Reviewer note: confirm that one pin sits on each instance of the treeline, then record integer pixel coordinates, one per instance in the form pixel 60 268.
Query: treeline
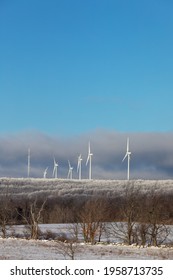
pixel 134 216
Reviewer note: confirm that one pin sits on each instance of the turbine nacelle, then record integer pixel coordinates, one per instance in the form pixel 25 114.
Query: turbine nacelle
pixel 89 154
pixel 127 155
pixel 70 167
pixel 55 169
pixel 79 162
pixel 89 159
pixel 55 163
pixel 69 176
pixel 79 165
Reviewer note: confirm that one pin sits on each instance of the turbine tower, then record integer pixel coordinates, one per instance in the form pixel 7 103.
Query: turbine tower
pixel 55 169
pixel 29 162
pixel 45 173
pixel 79 166
pixel 128 154
pixel 89 160
pixel 70 171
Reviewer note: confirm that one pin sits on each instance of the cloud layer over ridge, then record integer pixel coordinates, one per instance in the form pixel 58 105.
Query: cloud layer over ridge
pixel 151 158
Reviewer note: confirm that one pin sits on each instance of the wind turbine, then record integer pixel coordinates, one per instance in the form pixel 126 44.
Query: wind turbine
pixel 45 173
pixel 89 160
pixel 79 165
pixel 128 154
pixel 55 169
pixel 70 171
pixel 29 162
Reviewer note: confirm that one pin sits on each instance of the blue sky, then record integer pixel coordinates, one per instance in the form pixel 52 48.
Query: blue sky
pixel 74 71
pixel 70 67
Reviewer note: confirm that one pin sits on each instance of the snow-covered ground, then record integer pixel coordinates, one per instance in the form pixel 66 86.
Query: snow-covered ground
pixel 13 248
pixel 23 249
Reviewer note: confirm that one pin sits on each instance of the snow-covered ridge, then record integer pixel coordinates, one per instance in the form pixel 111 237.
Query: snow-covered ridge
pixel 71 187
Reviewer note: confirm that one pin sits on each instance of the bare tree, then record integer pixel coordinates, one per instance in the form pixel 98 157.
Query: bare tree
pixel 92 217
pixel 158 231
pixel 6 211
pixel 125 228
pixel 33 217
pixel 141 233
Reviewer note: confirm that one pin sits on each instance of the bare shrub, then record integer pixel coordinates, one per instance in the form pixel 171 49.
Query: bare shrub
pixel 62 237
pixel 68 248
pixel 49 235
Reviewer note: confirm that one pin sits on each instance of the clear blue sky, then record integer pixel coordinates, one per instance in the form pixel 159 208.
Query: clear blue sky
pixel 73 66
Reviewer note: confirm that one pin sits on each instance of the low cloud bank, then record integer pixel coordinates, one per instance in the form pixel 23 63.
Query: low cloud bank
pixel 151 158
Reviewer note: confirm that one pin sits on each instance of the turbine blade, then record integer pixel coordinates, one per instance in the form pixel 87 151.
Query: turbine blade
pixel 89 153
pixel 124 157
pixel 87 159
pixel 53 172
pixel 128 144
pixel 89 148
pixel 78 166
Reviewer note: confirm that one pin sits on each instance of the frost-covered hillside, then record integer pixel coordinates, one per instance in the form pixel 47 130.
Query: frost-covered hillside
pixel 63 187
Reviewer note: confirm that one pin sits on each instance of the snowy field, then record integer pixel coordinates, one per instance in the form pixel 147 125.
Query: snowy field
pixel 23 249
pixel 20 249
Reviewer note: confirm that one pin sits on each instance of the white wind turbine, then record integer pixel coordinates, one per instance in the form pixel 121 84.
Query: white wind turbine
pixel 55 169
pixel 128 154
pixel 89 160
pixel 79 165
pixel 70 171
pixel 45 173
